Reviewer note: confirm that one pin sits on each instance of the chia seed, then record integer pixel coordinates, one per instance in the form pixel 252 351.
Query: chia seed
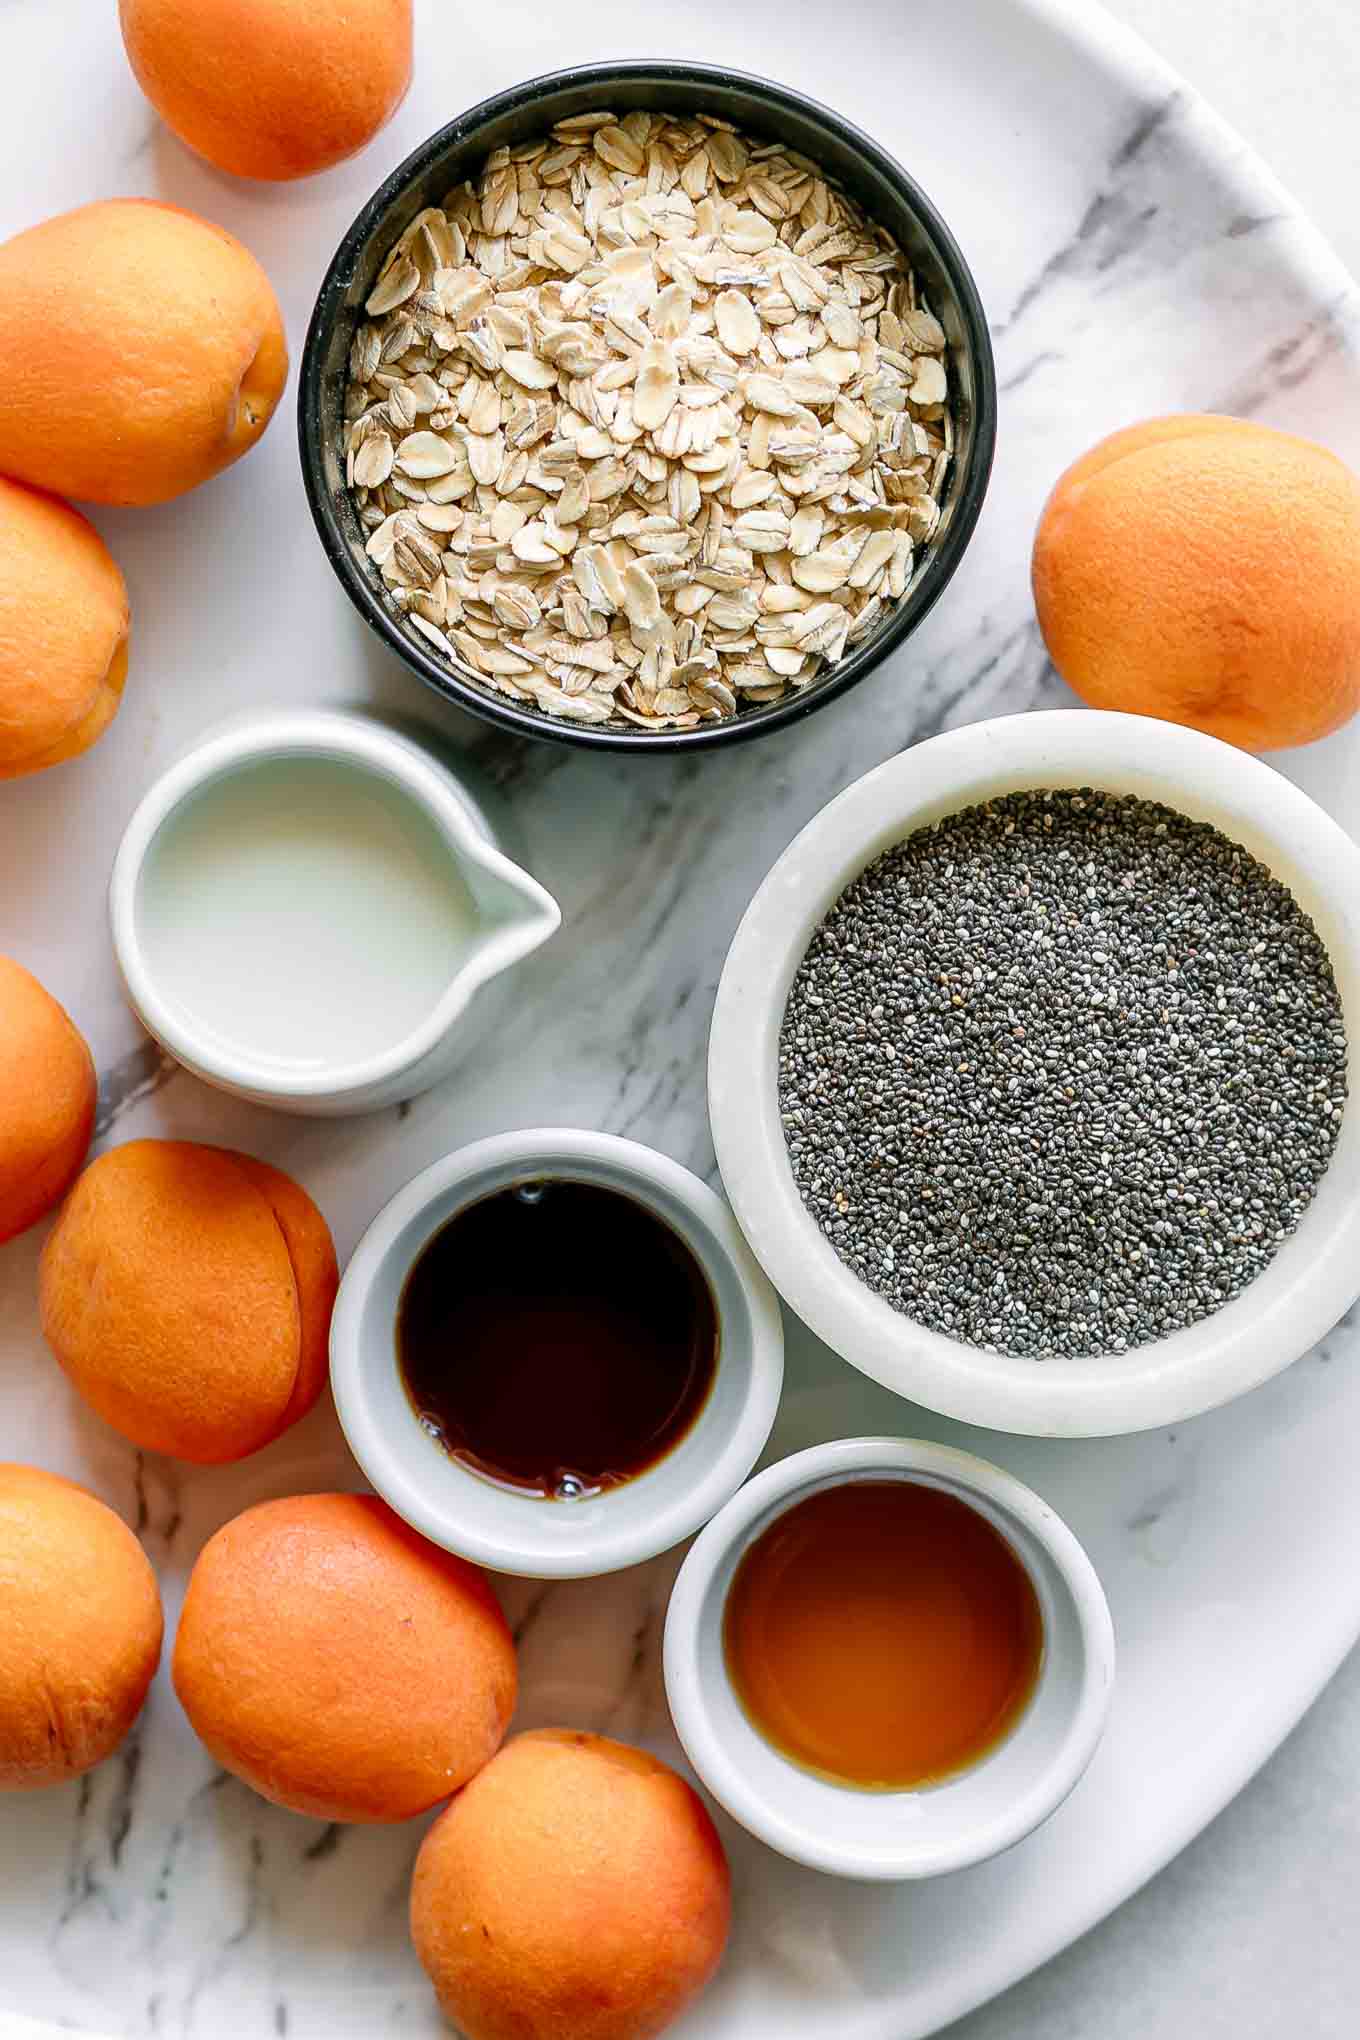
pixel 1059 1074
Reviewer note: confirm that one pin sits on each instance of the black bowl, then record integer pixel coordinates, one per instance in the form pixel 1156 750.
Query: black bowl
pixel 772 112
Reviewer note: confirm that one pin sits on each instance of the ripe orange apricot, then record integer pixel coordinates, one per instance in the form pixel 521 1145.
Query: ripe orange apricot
pixel 575 1886
pixel 1204 569
pixel 47 1100
pixel 187 1292
pixel 63 632
pixel 80 1629
pixel 338 1663
pixel 143 351
pixel 271 88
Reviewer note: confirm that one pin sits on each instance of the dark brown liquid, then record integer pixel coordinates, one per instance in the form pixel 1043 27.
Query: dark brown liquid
pixel 557 1337
pixel 883 1634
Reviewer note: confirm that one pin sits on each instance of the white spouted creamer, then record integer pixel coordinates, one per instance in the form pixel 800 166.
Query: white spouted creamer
pixel 304 912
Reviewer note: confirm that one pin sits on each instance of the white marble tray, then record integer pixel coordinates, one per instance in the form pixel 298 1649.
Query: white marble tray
pixel 1134 257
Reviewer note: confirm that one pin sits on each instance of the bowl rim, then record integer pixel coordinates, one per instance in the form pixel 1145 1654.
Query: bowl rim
pixel 940 564
pixel 779 1487
pixel 1295 1299
pixel 337 736
pixel 444 1509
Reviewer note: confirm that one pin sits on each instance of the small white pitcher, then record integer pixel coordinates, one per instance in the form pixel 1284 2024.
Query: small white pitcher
pixel 508 912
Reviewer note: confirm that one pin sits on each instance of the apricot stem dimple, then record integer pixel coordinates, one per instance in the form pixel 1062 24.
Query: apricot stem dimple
pixel 253 399
pixel 250 405
pixel 244 400
pixel 116 673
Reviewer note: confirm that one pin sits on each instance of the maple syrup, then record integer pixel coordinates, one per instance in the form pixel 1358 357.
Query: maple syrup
pixel 557 1337
pixel 883 1634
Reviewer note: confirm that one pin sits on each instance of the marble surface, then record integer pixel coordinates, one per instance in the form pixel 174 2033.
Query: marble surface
pixel 1249 1934
pixel 1132 260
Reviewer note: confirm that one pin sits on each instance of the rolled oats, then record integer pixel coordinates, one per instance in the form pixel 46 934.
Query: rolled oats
pixel 647 423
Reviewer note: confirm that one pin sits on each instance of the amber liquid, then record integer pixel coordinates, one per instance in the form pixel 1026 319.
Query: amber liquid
pixel 557 1337
pixel 883 1634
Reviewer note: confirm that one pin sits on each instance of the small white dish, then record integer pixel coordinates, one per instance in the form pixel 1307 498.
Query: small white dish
pixel 460 1509
pixel 1314 1277
pixel 310 911
pixel 881 1835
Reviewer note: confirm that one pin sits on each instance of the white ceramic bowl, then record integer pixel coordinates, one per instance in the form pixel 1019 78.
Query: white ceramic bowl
pixel 894 1835
pixel 513 914
pixel 1314 1277
pixel 459 1509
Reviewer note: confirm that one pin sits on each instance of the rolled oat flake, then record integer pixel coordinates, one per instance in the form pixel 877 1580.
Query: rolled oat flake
pixel 1058 1074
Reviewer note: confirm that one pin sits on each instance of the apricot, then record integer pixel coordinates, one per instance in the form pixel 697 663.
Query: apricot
pixel 1204 570
pixel 187 1292
pixel 575 1886
pixel 80 1629
pixel 338 1663
pixel 47 1100
pixel 271 88
pixel 63 632
pixel 143 351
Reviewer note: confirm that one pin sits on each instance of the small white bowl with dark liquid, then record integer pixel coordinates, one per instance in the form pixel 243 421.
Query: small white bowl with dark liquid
pixel 554 1353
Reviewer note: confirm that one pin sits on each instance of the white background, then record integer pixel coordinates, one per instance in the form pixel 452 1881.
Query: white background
pixel 1253 1933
